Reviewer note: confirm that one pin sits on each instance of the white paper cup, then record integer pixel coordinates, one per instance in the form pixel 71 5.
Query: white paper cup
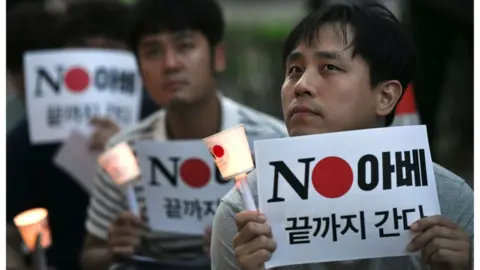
pixel 120 163
pixel 231 151
pixel 30 224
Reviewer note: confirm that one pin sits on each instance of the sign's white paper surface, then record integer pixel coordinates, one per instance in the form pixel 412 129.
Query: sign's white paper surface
pixel 341 163
pixel 184 196
pixel 76 160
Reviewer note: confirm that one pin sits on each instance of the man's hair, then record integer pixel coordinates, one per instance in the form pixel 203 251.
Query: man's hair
pixel 29 27
pixel 88 18
pixel 379 39
pixel 154 16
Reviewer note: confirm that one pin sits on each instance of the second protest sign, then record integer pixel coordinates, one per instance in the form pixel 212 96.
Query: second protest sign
pixel 182 185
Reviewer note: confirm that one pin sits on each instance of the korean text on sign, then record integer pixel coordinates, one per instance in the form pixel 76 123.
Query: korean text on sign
pixel 345 196
pixel 183 187
pixel 66 88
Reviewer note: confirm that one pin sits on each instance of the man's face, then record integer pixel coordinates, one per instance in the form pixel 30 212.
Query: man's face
pixel 177 67
pixel 328 90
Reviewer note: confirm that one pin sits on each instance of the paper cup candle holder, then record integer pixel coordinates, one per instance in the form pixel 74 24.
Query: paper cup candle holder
pixel 31 224
pixel 121 165
pixel 231 152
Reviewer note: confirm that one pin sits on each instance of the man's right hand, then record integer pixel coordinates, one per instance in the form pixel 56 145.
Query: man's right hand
pixel 253 243
pixel 124 235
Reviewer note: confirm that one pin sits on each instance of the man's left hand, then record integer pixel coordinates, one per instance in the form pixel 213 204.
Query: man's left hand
pixel 105 129
pixel 444 244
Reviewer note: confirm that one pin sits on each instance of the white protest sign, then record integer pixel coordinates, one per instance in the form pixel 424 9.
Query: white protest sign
pixel 65 88
pixel 183 187
pixel 347 195
pixel 77 160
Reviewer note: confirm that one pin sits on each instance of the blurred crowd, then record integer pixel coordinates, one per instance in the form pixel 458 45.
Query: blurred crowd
pixel 442 32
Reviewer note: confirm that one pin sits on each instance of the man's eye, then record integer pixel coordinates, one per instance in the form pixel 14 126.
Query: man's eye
pixel 152 52
pixel 185 45
pixel 330 67
pixel 294 69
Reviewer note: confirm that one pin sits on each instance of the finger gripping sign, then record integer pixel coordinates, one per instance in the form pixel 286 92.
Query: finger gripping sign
pixel 183 185
pixel 65 88
pixel 345 196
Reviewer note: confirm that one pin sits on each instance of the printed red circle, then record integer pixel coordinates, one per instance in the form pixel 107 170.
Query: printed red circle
pixel 218 151
pixel 195 172
pixel 332 177
pixel 77 79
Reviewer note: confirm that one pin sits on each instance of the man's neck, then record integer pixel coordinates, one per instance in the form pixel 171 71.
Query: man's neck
pixel 195 123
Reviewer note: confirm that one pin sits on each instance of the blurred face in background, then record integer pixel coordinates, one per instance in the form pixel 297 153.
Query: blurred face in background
pixel 178 67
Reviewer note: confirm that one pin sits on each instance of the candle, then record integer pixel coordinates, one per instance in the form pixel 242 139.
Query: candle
pixel 120 163
pixel 231 152
pixel 30 224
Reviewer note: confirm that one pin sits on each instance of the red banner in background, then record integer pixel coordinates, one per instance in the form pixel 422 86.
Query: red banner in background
pixel 406 112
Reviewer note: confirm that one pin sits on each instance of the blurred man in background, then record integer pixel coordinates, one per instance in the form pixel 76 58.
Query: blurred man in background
pixel 179 48
pixel 29 27
pixel 33 180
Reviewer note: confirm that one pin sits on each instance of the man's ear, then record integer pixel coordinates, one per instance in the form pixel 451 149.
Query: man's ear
pixel 219 58
pixel 389 94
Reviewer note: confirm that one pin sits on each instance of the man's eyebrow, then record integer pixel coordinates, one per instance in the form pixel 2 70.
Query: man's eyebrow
pixel 149 43
pixel 294 56
pixel 182 35
pixel 330 55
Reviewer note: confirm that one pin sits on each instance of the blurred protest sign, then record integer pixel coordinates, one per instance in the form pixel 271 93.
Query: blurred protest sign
pixel 183 187
pixel 65 88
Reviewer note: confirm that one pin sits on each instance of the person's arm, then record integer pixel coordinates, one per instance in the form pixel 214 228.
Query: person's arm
pixel 223 231
pixel 464 214
pixel 106 203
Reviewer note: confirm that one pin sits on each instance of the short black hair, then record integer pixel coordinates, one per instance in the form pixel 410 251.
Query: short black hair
pixel 84 19
pixel 29 27
pixel 379 39
pixel 154 16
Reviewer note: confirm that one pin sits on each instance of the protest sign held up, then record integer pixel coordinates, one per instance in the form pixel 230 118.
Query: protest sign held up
pixel 183 187
pixel 347 195
pixel 66 88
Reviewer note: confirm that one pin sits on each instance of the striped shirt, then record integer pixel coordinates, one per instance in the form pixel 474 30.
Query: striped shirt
pixel 108 199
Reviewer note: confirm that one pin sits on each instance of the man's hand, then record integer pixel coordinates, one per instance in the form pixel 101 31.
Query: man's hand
pixel 444 244
pixel 253 243
pixel 104 130
pixel 207 241
pixel 124 235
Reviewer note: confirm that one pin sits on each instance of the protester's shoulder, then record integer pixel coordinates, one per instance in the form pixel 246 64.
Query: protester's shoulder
pixel 453 192
pixel 138 130
pixel 233 198
pixel 447 180
pixel 254 119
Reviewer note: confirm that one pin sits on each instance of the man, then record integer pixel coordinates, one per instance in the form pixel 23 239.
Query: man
pixel 345 69
pixel 100 25
pixel 33 180
pixel 179 48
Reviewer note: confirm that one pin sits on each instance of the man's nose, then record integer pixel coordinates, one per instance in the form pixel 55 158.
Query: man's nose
pixel 172 60
pixel 304 86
